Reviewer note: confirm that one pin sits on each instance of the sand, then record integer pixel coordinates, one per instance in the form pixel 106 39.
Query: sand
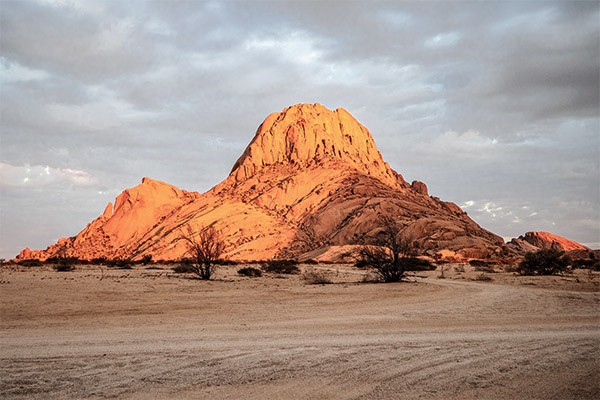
pixel 152 334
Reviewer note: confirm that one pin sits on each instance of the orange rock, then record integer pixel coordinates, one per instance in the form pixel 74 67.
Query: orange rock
pixel 533 241
pixel 305 134
pixel 310 182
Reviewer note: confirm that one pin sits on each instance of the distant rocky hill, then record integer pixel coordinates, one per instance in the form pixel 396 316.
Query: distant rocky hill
pixel 311 179
pixel 533 241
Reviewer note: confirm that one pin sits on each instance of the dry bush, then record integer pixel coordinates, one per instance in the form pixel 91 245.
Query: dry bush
pixel 250 271
pixel 442 270
pixel 280 266
pixel 511 268
pixel 147 259
pixel 63 264
pixel 371 277
pixel 204 247
pixel 386 254
pixel 124 263
pixel 31 262
pixel 63 267
pixel 485 268
pixel 315 277
pixel 544 262
pixel 183 268
pixel 483 277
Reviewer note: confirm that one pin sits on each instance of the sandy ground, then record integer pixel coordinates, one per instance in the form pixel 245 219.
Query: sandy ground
pixel 152 334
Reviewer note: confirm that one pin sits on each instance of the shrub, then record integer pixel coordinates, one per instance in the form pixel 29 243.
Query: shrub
pixel 479 263
pixel 63 267
pixel 583 263
pixel 32 262
pixel 315 277
pixel 183 268
pixel 63 263
pixel 442 270
pixel 226 262
pixel 544 262
pixel 119 263
pixel 511 268
pixel 205 248
pixel 63 260
pixel 98 260
pixel 485 268
pixel 370 277
pixel 147 259
pixel 386 253
pixel 311 262
pixel 416 264
pixel 361 263
pixel 483 277
pixel 250 271
pixel 280 266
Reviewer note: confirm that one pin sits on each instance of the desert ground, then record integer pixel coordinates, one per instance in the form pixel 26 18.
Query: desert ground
pixel 149 333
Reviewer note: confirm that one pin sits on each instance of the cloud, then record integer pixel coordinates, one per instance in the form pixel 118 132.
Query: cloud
pixel 36 176
pixel 471 144
pixel 485 102
pixel 443 40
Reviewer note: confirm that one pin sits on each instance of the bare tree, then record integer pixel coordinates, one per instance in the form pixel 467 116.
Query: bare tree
pixel 386 252
pixel 205 248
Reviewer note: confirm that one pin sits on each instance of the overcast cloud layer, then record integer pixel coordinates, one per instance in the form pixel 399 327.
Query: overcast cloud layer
pixel 495 105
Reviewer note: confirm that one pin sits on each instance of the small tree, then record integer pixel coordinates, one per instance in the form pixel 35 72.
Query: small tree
pixel 387 253
pixel 204 248
pixel 544 262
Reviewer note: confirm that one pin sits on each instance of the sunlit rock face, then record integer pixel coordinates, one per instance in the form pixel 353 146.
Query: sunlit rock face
pixel 311 180
pixel 306 134
pixel 533 241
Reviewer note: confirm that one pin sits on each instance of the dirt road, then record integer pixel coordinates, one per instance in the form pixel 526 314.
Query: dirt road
pixel 148 334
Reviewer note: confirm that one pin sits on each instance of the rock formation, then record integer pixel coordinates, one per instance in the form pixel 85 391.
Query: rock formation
pixel 533 241
pixel 310 181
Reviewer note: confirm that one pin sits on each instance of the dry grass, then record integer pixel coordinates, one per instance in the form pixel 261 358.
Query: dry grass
pixel 313 276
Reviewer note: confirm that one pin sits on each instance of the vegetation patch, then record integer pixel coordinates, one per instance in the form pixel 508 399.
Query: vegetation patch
pixel 416 264
pixel 483 277
pixel 280 266
pixel 119 263
pixel 226 262
pixel 390 253
pixel 250 271
pixel 63 264
pixel 315 277
pixel 32 262
pixel 485 268
pixel 479 263
pixel 589 263
pixel 183 268
pixel 544 262
pixel 205 248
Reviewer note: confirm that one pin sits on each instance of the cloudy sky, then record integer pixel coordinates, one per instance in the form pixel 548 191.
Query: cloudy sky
pixel 494 105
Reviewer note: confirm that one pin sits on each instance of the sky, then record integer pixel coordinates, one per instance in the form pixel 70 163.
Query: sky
pixel 494 105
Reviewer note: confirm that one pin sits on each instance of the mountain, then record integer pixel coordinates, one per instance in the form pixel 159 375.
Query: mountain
pixel 533 241
pixel 311 180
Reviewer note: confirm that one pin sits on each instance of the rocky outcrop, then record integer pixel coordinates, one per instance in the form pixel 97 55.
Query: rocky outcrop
pixel 419 187
pixel 310 182
pixel 306 134
pixel 533 241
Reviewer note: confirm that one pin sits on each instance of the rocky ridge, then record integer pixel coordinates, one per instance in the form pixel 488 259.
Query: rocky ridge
pixel 533 241
pixel 310 181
